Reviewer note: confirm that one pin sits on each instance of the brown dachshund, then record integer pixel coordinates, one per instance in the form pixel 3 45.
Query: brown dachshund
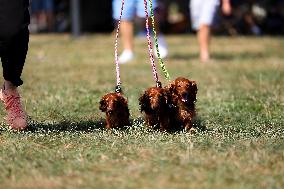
pixel 182 96
pixel 116 108
pixel 154 104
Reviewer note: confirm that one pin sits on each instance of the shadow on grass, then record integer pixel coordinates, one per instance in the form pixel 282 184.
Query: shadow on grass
pixel 221 56
pixel 242 55
pixel 90 126
pixel 71 126
pixel 199 124
pixel 84 126
pixel 184 56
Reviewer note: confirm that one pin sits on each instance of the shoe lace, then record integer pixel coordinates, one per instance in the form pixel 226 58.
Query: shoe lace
pixel 13 103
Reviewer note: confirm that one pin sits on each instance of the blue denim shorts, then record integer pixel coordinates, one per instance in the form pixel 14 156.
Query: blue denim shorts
pixel 42 5
pixel 131 9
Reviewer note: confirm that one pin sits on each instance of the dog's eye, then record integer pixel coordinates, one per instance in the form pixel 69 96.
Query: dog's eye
pixel 109 112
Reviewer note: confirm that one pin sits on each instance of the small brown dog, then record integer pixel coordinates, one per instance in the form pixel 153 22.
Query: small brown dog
pixel 182 96
pixel 116 108
pixel 154 104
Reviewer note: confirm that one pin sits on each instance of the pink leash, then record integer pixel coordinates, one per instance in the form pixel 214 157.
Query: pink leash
pixel 151 55
pixel 154 69
pixel 118 82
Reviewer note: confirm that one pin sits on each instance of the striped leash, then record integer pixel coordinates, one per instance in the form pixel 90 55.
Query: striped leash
pixel 118 81
pixel 161 63
pixel 154 69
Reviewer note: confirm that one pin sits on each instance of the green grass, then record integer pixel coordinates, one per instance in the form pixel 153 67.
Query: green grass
pixel 240 138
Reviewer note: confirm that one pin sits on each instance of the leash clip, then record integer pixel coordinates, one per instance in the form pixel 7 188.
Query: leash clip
pixel 159 84
pixel 118 89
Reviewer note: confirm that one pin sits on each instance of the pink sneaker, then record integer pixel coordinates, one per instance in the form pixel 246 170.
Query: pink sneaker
pixel 16 116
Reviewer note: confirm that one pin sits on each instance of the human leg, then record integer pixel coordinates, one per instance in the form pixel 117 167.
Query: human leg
pixel 163 49
pixel 40 15
pixel 203 35
pixel 126 31
pixel 48 7
pixel 202 15
pixel 126 28
pixel 13 58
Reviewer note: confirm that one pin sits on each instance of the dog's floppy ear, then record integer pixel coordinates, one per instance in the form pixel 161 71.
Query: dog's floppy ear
pixel 103 105
pixel 194 89
pixel 125 101
pixel 166 96
pixel 170 87
pixel 143 102
pixel 122 101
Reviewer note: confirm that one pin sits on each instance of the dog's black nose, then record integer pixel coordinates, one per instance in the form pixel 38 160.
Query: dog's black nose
pixel 185 96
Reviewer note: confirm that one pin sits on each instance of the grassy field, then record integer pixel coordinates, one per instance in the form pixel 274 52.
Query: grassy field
pixel 240 138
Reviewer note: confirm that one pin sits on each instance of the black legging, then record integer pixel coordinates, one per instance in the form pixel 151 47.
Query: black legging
pixel 14 38
pixel 13 55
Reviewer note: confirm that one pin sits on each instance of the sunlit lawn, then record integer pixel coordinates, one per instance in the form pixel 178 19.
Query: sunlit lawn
pixel 240 138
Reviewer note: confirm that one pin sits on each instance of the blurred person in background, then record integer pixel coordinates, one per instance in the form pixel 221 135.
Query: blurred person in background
pixel 14 39
pixel 42 12
pixel 274 20
pixel 131 9
pixel 202 17
pixel 245 12
pixel 61 16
